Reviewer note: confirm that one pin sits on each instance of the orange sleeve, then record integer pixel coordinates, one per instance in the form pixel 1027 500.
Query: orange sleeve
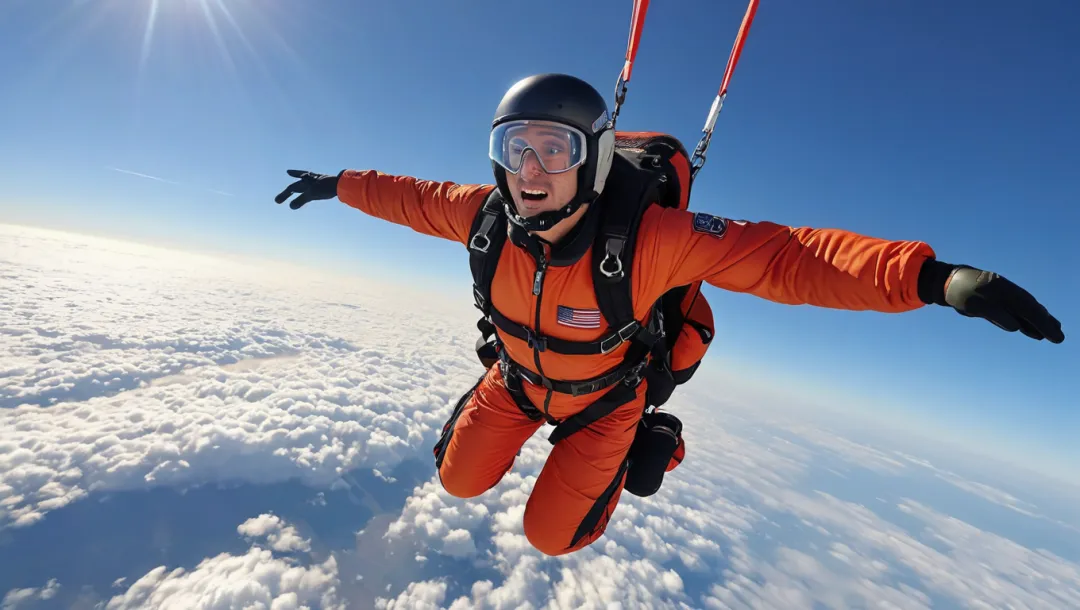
pixel 441 209
pixel 823 267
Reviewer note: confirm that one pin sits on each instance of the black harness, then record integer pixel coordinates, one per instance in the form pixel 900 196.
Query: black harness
pixel 629 190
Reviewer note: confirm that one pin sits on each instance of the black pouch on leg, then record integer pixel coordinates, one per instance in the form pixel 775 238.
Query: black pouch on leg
pixel 657 439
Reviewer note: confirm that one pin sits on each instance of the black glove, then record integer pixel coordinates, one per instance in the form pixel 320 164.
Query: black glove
pixel 311 187
pixel 983 294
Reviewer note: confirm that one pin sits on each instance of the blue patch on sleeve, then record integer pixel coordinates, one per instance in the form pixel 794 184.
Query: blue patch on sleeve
pixel 707 223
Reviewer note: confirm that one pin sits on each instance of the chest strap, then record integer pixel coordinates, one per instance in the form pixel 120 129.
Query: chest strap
pixel 630 330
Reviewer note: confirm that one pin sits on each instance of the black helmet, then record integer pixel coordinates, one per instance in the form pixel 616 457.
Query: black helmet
pixel 568 101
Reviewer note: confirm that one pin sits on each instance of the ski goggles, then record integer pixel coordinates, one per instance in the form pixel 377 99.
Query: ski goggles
pixel 559 148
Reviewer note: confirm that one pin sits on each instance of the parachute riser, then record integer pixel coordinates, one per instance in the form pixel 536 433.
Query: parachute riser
pixel 620 97
pixel 698 159
pixel 637 21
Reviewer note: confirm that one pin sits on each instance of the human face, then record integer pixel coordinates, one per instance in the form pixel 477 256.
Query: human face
pixel 535 191
pixel 547 158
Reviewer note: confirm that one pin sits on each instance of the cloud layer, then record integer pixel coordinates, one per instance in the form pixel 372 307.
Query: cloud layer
pixel 125 367
pixel 741 525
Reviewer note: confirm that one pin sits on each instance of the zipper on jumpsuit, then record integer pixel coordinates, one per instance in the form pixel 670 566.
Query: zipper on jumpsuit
pixel 537 290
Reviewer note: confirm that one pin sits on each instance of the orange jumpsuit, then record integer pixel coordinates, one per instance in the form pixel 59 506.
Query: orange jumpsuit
pixel 581 481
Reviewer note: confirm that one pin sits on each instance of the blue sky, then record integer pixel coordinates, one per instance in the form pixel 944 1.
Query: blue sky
pixel 952 123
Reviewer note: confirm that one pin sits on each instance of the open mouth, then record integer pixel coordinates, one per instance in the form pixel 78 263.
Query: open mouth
pixel 533 194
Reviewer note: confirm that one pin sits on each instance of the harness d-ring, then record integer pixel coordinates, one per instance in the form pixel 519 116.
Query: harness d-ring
pixel 612 250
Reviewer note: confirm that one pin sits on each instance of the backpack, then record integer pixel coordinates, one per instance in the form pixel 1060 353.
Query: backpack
pixel 648 168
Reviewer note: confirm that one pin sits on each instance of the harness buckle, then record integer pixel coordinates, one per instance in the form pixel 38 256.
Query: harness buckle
pixel 580 389
pixel 621 336
pixel 536 341
pixel 634 376
pixel 482 234
pixel 475 245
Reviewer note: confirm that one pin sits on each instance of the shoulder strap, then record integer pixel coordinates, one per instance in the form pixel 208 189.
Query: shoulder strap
pixel 486 239
pixel 629 191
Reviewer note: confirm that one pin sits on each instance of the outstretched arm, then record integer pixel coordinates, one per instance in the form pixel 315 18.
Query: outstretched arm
pixel 838 269
pixel 823 267
pixel 441 209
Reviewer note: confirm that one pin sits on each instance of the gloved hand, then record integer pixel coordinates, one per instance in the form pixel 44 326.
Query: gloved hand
pixel 983 294
pixel 311 187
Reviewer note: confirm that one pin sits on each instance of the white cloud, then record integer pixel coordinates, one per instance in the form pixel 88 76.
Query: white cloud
pixel 431 515
pixel 136 367
pixel 17 598
pixel 427 595
pixel 281 536
pixel 256 579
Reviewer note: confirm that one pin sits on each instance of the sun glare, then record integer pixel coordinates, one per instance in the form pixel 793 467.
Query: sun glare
pixel 219 19
pixel 148 35
pixel 204 6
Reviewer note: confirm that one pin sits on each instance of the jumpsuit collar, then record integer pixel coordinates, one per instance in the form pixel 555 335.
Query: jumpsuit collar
pixel 571 248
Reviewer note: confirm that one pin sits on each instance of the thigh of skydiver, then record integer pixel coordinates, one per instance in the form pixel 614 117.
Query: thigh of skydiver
pixel 486 439
pixel 581 482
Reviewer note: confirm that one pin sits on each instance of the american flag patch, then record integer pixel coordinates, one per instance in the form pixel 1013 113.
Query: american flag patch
pixel 579 318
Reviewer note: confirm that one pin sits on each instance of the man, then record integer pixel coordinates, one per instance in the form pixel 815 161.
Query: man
pixel 551 147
